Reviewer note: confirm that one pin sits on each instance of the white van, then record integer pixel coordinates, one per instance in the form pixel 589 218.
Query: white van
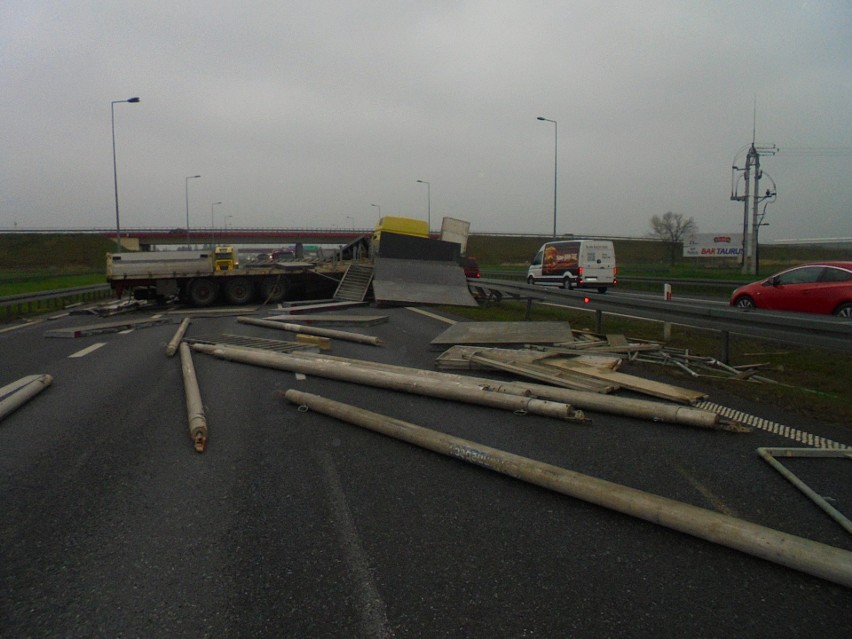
pixel 575 264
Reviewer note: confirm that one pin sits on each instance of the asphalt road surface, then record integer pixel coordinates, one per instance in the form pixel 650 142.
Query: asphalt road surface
pixel 293 524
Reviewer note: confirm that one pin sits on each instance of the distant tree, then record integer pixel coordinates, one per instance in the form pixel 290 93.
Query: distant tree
pixel 672 228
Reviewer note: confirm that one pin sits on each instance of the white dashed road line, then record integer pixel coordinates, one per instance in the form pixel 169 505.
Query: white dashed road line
pixel 87 350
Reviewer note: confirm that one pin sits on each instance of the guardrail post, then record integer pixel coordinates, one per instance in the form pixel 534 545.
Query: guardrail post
pixel 598 321
pixel 529 309
pixel 725 355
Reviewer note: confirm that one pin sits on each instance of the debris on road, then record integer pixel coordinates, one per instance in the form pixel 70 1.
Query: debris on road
pixel 18 393
pixel 111 327
pixel 311 330
pixel 194 408
pixel 811 557
pixel 418 385
pixel 485 333
pixel 173 344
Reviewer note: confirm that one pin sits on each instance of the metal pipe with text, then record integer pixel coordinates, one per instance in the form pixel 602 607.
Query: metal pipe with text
pixel 811 557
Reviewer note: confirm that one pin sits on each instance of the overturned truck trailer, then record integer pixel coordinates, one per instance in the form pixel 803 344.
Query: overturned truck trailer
pixel 415 270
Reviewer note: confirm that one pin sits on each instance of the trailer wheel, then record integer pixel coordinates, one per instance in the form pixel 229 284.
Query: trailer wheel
pixel 202 292
pixel 272 289
pixel 238 291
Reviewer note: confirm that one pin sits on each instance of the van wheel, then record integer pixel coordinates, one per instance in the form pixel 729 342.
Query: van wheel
pixel 530 280
pixel 601 289
pixel 568 284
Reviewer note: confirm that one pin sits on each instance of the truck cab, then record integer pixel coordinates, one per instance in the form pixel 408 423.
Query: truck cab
pixel 225 259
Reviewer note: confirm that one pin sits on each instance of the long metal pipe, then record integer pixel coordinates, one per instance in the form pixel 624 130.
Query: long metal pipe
pixel 811 557
pixel 312 330
pixel 442 389
pixel 172 347
pixel 639 408
pixel 23 392
pixel 194 408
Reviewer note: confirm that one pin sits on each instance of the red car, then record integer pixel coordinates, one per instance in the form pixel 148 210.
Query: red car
pixel 808 288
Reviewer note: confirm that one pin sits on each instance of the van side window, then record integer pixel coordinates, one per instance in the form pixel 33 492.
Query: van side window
pixel 537 259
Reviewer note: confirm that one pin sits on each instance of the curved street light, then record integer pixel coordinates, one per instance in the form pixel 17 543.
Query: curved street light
pixel 115 169
pixel 213 225
pixel 555 172
pixel 428 203
pixel 186 190
pixel 380 209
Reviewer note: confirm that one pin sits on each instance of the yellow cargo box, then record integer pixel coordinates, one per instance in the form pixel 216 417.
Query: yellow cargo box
pixel 401 225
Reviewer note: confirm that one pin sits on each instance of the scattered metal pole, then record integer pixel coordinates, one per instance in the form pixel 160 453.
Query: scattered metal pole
pixel 639 408
pixel 171 349
pixel 768 454
pixel 313 330
pixel 442 389
pixel 806 555
pixel 23 391
pixel 194 407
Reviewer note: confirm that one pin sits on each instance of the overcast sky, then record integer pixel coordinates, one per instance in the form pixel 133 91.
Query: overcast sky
pixel 305 114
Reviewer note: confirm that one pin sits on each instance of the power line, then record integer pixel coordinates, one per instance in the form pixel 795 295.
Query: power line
pixel 816 151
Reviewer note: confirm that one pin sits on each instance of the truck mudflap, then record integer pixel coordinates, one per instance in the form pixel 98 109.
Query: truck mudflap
pixel 402 281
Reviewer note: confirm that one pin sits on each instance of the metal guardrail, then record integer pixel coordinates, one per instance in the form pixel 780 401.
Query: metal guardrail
pixel 732 284
pixel 798 328
pixel 31 302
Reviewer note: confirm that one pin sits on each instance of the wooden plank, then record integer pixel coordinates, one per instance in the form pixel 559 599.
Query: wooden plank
pixel 641 385
pixel 548 375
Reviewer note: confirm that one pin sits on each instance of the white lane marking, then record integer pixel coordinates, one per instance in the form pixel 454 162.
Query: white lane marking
pixel 374 620
pixel 87 350
pixel 126 331
pixel 440 318
pixel 800 436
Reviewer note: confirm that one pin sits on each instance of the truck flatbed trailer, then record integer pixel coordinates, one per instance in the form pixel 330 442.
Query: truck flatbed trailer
pixel 201 277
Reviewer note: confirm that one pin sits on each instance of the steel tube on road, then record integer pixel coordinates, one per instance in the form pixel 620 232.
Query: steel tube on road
pixel 171 349
pixel 23 391
pixel 405 383
pixel 806 555
pixel 626 406
pixel 312 330
pixel 194 408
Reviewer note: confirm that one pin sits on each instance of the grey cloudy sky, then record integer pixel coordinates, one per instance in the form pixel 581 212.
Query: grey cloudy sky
pixel 306 113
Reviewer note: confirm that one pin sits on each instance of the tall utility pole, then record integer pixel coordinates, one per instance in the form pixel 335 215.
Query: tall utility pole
pixel 751 169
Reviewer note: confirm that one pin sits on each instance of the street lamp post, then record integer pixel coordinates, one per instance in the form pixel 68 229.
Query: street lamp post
pixel 555 172
pixel 213 225
pixel 227 217
pixel 428 203
pixel 186 190
pixel 380 209
pixel 115 169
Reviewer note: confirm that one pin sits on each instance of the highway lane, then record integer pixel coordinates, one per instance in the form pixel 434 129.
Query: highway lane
pixel 292 524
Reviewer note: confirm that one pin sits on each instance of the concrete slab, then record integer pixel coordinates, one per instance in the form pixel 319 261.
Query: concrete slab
pixel 484 333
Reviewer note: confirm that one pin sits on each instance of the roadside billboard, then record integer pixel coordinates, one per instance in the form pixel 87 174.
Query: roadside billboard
pixel 713 245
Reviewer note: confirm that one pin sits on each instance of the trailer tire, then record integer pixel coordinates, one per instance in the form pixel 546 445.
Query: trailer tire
pixel 272 289
pixel 239 290
pixel 202 292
